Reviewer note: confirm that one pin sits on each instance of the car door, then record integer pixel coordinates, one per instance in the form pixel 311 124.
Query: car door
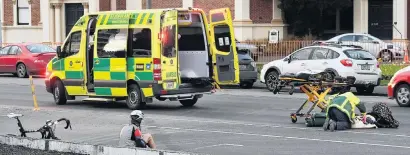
pixel 318 61
pixel 3 54
pixel 223 46
pixel 298 61
pixel 110 58
pixel 10 60
pixel 169 50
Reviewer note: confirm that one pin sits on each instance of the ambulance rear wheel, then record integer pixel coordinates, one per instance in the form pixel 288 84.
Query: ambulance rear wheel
pixel 189 103
pixel 134 98
pixel 59 95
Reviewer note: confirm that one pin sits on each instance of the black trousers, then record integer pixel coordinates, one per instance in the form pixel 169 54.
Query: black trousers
pixel 341 119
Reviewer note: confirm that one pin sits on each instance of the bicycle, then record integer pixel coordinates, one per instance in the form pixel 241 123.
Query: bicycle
pixel 47 131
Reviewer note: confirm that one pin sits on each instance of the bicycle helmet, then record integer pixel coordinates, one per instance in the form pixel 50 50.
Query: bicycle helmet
pixel 136 117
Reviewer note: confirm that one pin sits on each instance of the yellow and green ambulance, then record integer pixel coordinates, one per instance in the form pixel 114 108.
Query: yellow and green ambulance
pixel 137 55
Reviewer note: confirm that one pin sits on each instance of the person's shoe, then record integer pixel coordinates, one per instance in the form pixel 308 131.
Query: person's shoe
pixel 326 125
pixel 332 125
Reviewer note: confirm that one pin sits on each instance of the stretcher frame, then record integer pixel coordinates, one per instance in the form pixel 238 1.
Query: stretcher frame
pixel 316 91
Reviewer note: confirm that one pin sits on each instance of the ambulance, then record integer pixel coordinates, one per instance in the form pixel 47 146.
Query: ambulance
pixel 138 55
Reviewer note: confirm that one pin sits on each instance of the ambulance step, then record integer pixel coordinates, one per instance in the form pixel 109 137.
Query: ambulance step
pixel 99 99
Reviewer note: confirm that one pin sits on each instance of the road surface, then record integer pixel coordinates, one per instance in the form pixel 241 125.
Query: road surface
pixel 228 122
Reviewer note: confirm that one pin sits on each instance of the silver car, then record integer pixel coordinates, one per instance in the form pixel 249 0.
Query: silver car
pixel 378 48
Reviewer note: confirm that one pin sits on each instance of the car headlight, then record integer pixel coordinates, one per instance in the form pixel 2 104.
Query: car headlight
pixel 253 63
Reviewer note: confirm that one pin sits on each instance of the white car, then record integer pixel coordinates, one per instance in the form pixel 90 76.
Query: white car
pixel 336 59
pixel 377 47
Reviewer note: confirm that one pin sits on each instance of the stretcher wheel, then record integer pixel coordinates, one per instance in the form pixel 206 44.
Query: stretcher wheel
pixel 294 118
pixel 275 91
pixel 292 89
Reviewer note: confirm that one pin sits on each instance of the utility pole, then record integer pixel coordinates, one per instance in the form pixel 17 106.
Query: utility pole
pixel 148 4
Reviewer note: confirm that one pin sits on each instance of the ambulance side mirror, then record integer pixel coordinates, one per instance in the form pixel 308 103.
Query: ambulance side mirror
pixel 58 51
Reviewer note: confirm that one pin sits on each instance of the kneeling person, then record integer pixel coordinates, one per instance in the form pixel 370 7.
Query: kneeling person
pixel 340 112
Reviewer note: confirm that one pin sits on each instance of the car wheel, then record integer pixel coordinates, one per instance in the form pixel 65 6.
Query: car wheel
pixel 386 56
pixel 60 97
pixel 365 91
pixel 134 98
pixel 403 95
pixel 272 80
pixel 189 103
pixel 246 85
pixel 21 70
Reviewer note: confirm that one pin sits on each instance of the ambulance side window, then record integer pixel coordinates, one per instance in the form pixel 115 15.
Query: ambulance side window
pixel 223 38
pixel 140 43
pixel 168 41
pixel 112 43
pixel 72 46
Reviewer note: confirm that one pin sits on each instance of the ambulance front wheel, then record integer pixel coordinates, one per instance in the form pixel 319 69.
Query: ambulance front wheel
pixel 189 103
pixel 134 98
pixel 60 97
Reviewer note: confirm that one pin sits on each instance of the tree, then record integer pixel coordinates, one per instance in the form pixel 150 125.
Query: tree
pixel 306 16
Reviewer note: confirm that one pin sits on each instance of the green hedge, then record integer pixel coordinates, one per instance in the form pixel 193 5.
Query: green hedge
pixel 388 70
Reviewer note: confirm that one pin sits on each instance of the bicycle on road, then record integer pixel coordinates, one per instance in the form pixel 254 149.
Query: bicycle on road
pixel 47 131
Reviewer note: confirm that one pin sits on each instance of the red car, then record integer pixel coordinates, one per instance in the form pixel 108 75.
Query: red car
pixel 399 87
pixel 24 59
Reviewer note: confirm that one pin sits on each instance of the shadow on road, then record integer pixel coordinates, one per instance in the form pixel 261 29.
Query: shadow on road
pixel 12 76
pixel 167 106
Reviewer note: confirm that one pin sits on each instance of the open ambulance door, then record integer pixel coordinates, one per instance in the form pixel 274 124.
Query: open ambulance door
pixel 223 47
pixel 110 59
pixel 169 50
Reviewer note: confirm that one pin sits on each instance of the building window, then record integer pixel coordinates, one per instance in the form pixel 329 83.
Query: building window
pixel 23 12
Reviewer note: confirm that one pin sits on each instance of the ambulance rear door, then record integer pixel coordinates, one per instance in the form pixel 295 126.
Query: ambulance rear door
pixel 223 47
pixel 169 50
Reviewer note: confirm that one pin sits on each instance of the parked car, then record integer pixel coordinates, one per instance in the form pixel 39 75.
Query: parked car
pixel 335 59
pixel 248 73
pixel 25 58
pixel 399 87
pixel 378 48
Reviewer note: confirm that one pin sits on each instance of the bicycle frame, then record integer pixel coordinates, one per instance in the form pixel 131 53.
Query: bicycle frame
pixel 47 131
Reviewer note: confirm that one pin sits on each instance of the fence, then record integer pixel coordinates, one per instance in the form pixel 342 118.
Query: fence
pixel 263 52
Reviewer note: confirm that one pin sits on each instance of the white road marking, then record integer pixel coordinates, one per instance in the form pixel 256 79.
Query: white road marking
pixel 285 137
pixel 273 126
pixel 238 145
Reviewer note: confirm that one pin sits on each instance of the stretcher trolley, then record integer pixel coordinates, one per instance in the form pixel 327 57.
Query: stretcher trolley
pixel 316 86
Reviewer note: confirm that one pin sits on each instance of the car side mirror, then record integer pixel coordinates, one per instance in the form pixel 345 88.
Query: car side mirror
pixel 287 59
pixel 58 51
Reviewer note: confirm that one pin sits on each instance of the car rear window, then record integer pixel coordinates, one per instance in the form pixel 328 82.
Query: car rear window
pixel 359 54
pixel 38 48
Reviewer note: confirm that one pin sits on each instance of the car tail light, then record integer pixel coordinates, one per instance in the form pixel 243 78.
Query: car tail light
pixel 346 62
pixel 157 69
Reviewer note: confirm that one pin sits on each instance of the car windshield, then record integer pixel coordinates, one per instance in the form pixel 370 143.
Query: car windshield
pixel 359 54
pixel 38 48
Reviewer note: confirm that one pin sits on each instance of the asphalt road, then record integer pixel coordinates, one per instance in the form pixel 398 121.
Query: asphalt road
pixel 229 122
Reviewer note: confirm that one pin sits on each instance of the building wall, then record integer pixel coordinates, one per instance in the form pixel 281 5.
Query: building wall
pixel 261 11
pixel 121 4
pixel 105 5
pixel 158 4
pixel 35 12
pixel 8 12
pixel 207 5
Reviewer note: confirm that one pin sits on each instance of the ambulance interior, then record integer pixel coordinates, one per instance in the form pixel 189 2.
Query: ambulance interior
pixel 194 59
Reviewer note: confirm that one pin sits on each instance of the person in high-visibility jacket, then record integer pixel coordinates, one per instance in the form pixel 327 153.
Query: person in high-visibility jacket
pixel 340 112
